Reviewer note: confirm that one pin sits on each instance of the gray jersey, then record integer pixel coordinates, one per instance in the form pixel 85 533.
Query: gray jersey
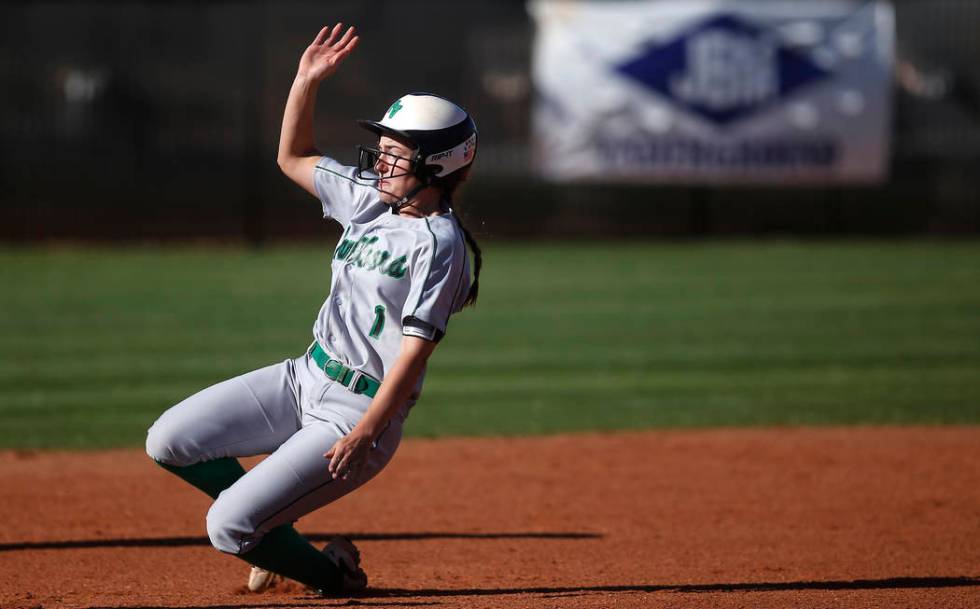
pixel 391 274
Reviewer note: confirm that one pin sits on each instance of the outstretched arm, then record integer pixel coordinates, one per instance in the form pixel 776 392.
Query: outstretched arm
pixel 297 150
pixel 350 452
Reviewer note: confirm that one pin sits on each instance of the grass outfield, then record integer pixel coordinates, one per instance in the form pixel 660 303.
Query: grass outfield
pixel 95 343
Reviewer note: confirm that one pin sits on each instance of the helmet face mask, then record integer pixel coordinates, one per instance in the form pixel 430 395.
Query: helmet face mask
pixel 367 162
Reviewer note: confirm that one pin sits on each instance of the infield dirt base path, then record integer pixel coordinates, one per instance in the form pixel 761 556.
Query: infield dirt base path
pixel 855 517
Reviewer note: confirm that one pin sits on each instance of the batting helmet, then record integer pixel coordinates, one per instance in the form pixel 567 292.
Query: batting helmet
pixel 442 134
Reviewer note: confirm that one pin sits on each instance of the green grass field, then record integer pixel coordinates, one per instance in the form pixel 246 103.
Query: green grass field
pixel 95 343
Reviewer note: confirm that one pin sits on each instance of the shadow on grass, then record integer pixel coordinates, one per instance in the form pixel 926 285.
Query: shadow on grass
pixel 175 542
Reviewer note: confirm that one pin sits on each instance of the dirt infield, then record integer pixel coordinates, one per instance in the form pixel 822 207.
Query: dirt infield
pixel 813 518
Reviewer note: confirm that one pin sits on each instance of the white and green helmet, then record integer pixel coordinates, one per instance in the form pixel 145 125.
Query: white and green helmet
pixel 443 134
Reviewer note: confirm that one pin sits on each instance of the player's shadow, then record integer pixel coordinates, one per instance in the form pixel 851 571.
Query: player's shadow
pixel 320 602
pixel 890 583
pixel 175 542
pixel 384 597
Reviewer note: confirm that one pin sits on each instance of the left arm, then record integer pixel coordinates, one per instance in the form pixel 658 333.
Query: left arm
pixel 350 452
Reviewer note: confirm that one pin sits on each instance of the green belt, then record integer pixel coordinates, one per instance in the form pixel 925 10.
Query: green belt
pixel 357 382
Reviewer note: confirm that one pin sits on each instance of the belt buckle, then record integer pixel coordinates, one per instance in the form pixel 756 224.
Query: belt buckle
pixel 335 366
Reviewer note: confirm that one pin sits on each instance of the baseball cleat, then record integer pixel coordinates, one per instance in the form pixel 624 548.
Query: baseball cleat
pixel 260 580
pixel 345 555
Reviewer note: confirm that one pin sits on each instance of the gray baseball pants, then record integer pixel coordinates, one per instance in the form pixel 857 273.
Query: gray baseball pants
pixel 293 412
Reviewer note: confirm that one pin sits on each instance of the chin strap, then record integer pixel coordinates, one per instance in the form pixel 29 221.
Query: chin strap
pixel 400 203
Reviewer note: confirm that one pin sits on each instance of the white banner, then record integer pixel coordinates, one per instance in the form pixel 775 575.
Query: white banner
pixel 750 91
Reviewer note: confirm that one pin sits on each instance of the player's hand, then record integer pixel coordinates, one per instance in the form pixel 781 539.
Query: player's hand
pixel 321 58
pixel 348 455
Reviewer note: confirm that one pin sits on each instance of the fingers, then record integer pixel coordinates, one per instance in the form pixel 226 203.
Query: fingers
pixel 339 456
pixel 338 464
pixel 343 462
pixel 346 39
pixel 343 467
pixel 322 35
pixel 334 455
pixel 344 52
pixel 346 457
pixel 333 34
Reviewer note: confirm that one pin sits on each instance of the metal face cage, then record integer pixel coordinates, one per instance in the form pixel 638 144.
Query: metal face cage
pixel 367 159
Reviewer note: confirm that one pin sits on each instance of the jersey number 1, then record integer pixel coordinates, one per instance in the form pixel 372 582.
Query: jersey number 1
pixel 379 322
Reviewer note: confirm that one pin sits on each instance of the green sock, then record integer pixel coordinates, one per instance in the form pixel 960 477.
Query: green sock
pixel 284 551
pixel 212 477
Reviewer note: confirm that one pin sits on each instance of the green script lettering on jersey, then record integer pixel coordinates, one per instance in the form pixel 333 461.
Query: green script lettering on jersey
pixel 343 249
pixel 397 268
pixel 364 254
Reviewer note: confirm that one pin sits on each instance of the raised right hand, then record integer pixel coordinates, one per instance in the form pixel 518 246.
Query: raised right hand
pixel 321 58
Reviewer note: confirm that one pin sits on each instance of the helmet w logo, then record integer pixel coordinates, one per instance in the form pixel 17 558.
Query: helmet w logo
pixel 395 107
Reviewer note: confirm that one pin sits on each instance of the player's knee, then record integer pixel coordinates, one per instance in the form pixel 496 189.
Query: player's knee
pixel 158 444
pixel 162 445
pixel 228 529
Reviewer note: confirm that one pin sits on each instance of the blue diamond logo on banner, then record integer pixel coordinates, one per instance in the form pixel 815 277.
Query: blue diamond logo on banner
pixel 723 69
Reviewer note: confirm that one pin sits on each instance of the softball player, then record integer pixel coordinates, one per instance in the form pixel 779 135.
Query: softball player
pixel 332 418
